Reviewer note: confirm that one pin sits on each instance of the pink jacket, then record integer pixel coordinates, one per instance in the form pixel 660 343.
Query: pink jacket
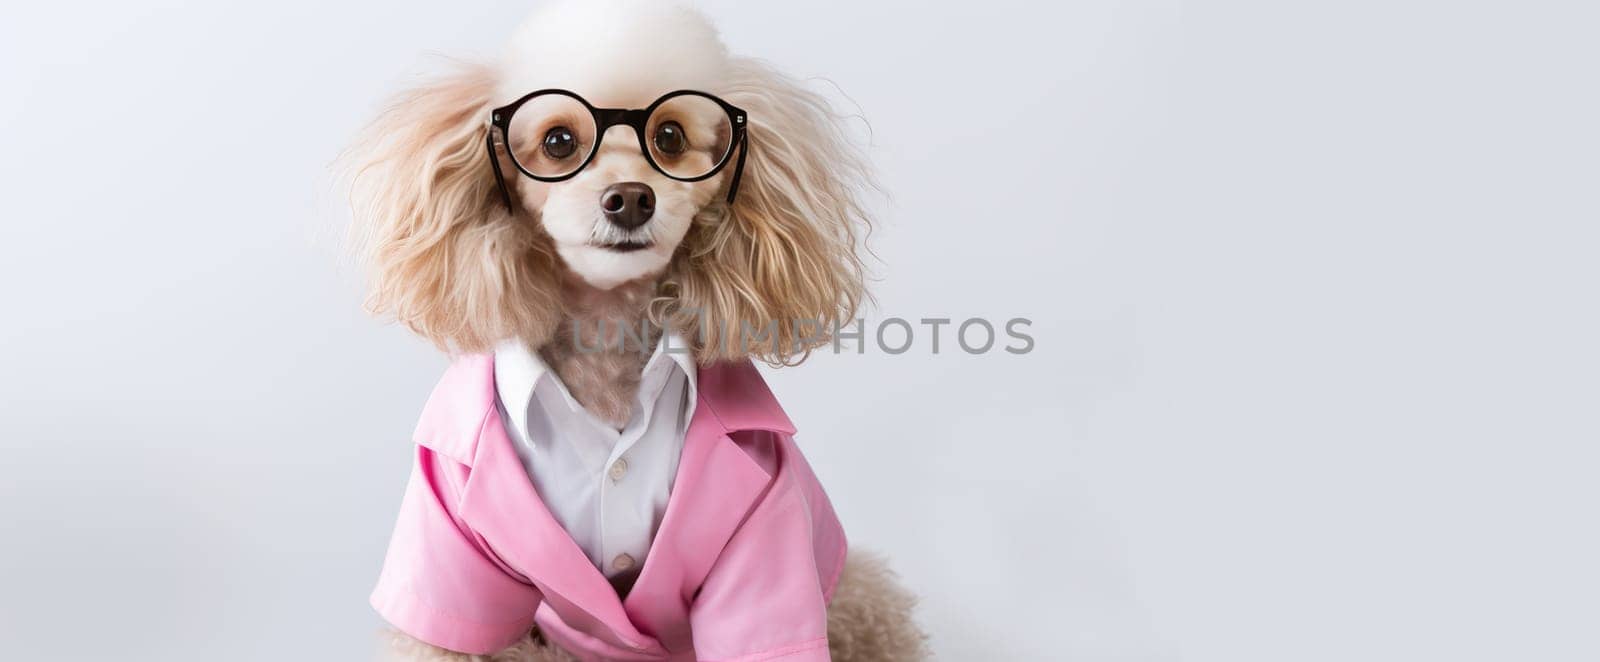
pixel 742 568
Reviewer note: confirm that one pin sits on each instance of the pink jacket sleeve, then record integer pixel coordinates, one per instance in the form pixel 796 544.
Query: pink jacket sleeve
pixel 439 584
pixel 764 600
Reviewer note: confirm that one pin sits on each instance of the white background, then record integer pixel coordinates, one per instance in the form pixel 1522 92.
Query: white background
pixel 1313 290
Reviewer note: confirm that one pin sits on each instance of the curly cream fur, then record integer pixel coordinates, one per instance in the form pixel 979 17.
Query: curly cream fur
pixel 442 255
pixel 772 276
pixel 869 620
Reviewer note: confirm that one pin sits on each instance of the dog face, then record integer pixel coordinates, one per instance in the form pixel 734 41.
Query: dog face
pixel 619 219
pixel 446 257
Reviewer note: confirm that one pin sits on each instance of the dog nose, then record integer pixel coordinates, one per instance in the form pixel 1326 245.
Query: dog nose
pixel 628 204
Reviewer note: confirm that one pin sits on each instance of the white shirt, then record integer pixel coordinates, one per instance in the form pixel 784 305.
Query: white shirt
pixel 607 488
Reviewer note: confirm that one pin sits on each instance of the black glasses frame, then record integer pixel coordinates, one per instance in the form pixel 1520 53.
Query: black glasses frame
pixel 604 119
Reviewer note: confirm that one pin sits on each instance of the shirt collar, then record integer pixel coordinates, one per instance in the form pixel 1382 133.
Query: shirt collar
pixel 453 421
pixel 518 370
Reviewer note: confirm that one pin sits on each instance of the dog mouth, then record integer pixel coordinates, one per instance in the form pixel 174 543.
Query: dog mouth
pixel 626 246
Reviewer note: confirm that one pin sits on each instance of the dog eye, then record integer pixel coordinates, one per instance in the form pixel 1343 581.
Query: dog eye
pixel 559 143
pixel 670 138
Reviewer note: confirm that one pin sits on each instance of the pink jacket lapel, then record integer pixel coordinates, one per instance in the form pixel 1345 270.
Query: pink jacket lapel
pixel 716 486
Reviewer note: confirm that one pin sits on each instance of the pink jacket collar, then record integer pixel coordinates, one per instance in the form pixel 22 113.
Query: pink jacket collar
pixel 717 485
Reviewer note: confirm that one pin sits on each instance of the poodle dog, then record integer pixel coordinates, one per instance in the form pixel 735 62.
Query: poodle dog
pixel 603 228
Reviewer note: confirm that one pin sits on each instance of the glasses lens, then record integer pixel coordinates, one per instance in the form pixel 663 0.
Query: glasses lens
pixel 551 135
pixel 689 136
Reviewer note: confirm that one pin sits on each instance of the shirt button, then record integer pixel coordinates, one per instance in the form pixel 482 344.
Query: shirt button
pixel 622 562
pixel 618 470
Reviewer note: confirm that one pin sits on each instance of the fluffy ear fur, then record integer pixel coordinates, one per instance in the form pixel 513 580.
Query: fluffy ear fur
pixel 442 254
pixel 773 276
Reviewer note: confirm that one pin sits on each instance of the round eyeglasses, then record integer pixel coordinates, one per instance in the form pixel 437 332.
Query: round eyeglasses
pixel 552 134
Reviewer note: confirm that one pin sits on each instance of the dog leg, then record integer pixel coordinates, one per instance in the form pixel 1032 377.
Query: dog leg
pixel 870 618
